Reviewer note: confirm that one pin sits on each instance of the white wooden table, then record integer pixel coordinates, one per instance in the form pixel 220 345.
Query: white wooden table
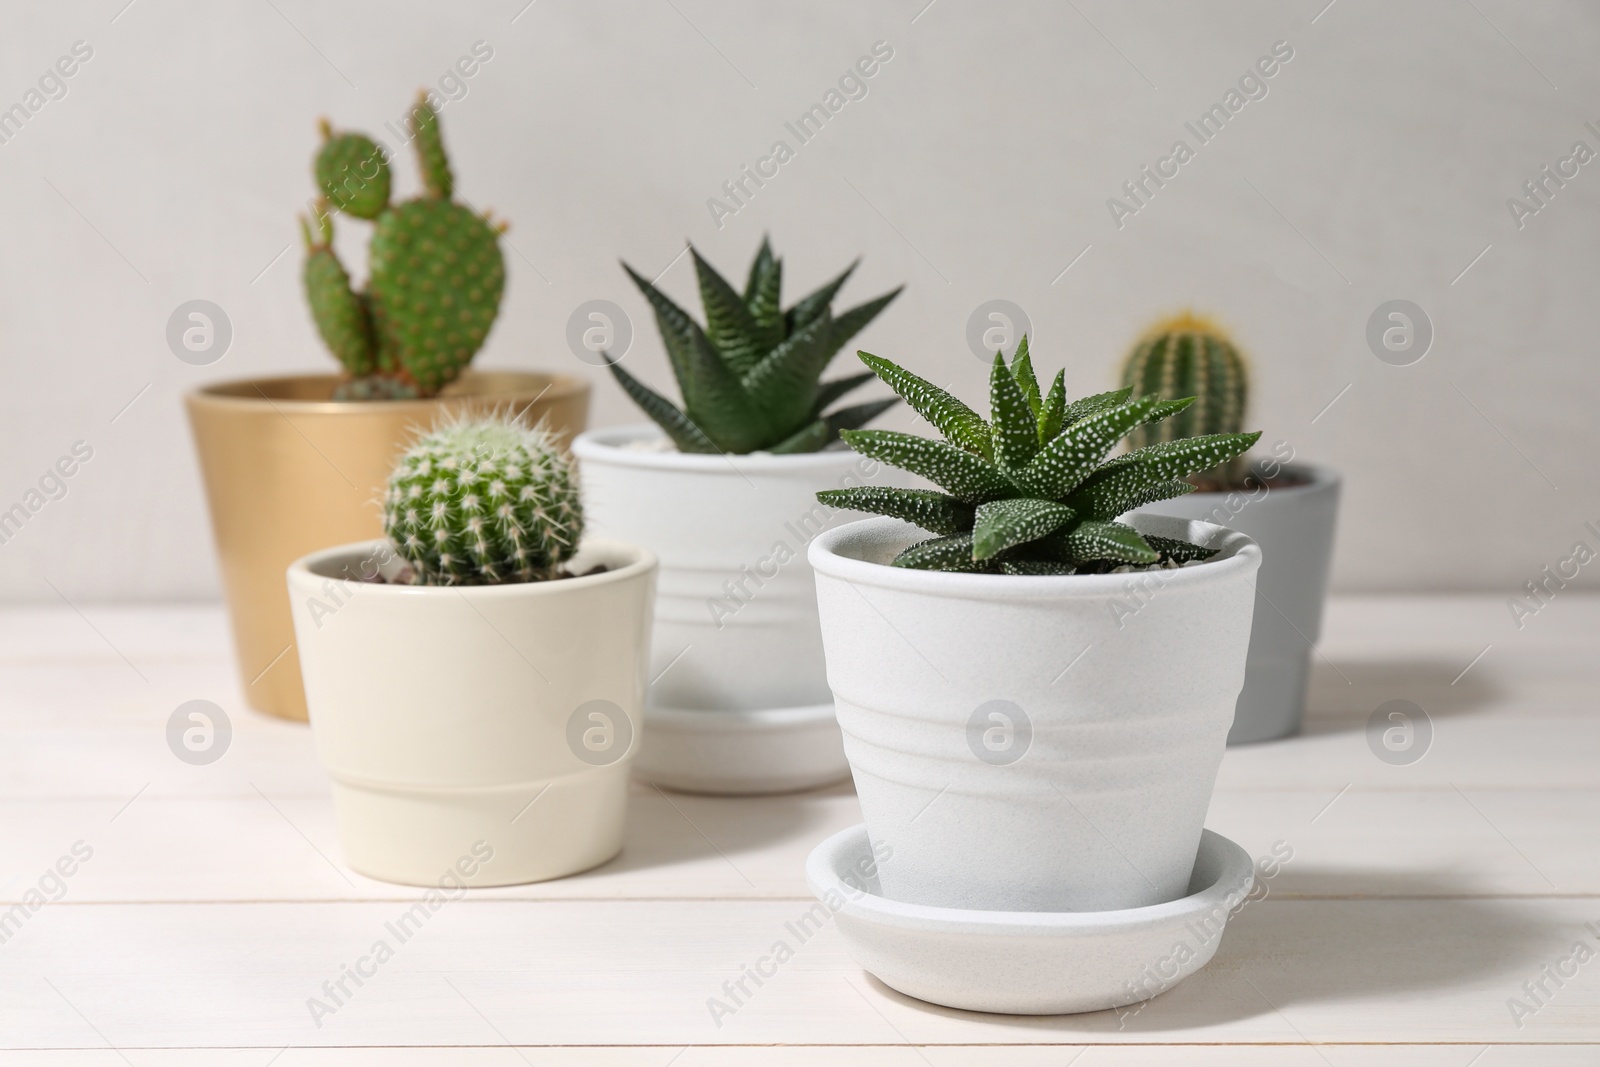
pixel 1419 900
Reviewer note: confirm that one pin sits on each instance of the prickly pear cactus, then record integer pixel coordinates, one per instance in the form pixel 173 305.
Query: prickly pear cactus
pixel 435 272
pixel 484 501
pixel 1187 355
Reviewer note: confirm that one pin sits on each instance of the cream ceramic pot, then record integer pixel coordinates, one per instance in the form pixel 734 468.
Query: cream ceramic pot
pixel 455 720
pixel 739 701
pixel 1294 526
pixel 1034 743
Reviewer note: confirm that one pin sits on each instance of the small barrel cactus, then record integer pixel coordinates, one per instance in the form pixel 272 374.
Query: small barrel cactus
pixel 1187 355
pixel 484 501
pixel 435 272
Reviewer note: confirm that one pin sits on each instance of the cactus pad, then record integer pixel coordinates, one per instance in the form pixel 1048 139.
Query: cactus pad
pixel 340 313
pixel 353 173
pixel 436 176
pixel 435 279
pixel 484 502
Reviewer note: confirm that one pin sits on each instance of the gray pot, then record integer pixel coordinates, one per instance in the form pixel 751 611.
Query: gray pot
pixel 1294 527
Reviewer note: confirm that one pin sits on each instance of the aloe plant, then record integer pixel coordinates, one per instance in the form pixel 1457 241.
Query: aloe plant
pixel 1031 491
pixel 750 378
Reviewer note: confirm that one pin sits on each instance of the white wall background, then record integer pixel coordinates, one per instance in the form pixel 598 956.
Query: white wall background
pixel 978 166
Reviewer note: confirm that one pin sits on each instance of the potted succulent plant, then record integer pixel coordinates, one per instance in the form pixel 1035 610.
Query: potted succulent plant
pixel 292 464
pixel 1288 508
pixel 476 680
pixel 723 490
pixel 1035 698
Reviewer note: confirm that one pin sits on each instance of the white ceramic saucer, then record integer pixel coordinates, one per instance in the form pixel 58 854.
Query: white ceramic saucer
pixel 774 750
pixel 1022 962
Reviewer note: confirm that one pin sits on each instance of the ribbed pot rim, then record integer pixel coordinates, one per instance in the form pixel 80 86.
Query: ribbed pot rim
pixel 1238 555
pixel 605 446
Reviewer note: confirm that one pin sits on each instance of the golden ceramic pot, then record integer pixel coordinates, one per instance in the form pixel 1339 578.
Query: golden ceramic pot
pixel 289 471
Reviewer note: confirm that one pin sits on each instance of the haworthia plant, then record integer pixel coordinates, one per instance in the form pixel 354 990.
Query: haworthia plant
pixel 751 376
pixel 1187 355
pixel 435 273
pixel 1030 491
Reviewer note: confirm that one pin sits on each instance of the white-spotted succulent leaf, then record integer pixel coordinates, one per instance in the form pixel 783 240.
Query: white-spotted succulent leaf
pixel 1031 491
pixel 750 378
pixel 936 512
pixel 484 501
pixel 959 424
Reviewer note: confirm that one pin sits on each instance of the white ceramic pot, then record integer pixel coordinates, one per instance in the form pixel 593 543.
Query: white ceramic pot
pixel 455 721
pixel 1294 526
pixel 739 701
pixel 1034 743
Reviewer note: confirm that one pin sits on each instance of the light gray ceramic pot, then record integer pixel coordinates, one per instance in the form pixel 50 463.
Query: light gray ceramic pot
pixel 1294 526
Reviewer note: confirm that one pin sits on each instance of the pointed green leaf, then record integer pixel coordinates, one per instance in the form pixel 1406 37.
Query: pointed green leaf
pixel 685 434
pixel 783 386
pixel 812 437
pixel 960 473
pixel 943 554
pixel 713 397
pixel 1094 539
pixel 1000 524
pixel 730 327
pixel 673 322
pixel 816 303
pixel 828 392
pixel 1079 410
pixel 1016 433
pixel 1022 371
pixel 1113 490
pixel 935 512
pixel 852 322
pixel 1067 460
pixel 1166 409
pixel 1178 551
pixel 1188 455
pixel 1052 408
pixel 858 415
pixel 959 424
pixel 761 296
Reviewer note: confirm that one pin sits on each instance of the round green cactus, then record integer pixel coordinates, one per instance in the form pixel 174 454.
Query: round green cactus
pixel 436 274
pixel 483 502
pixel 1188 355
